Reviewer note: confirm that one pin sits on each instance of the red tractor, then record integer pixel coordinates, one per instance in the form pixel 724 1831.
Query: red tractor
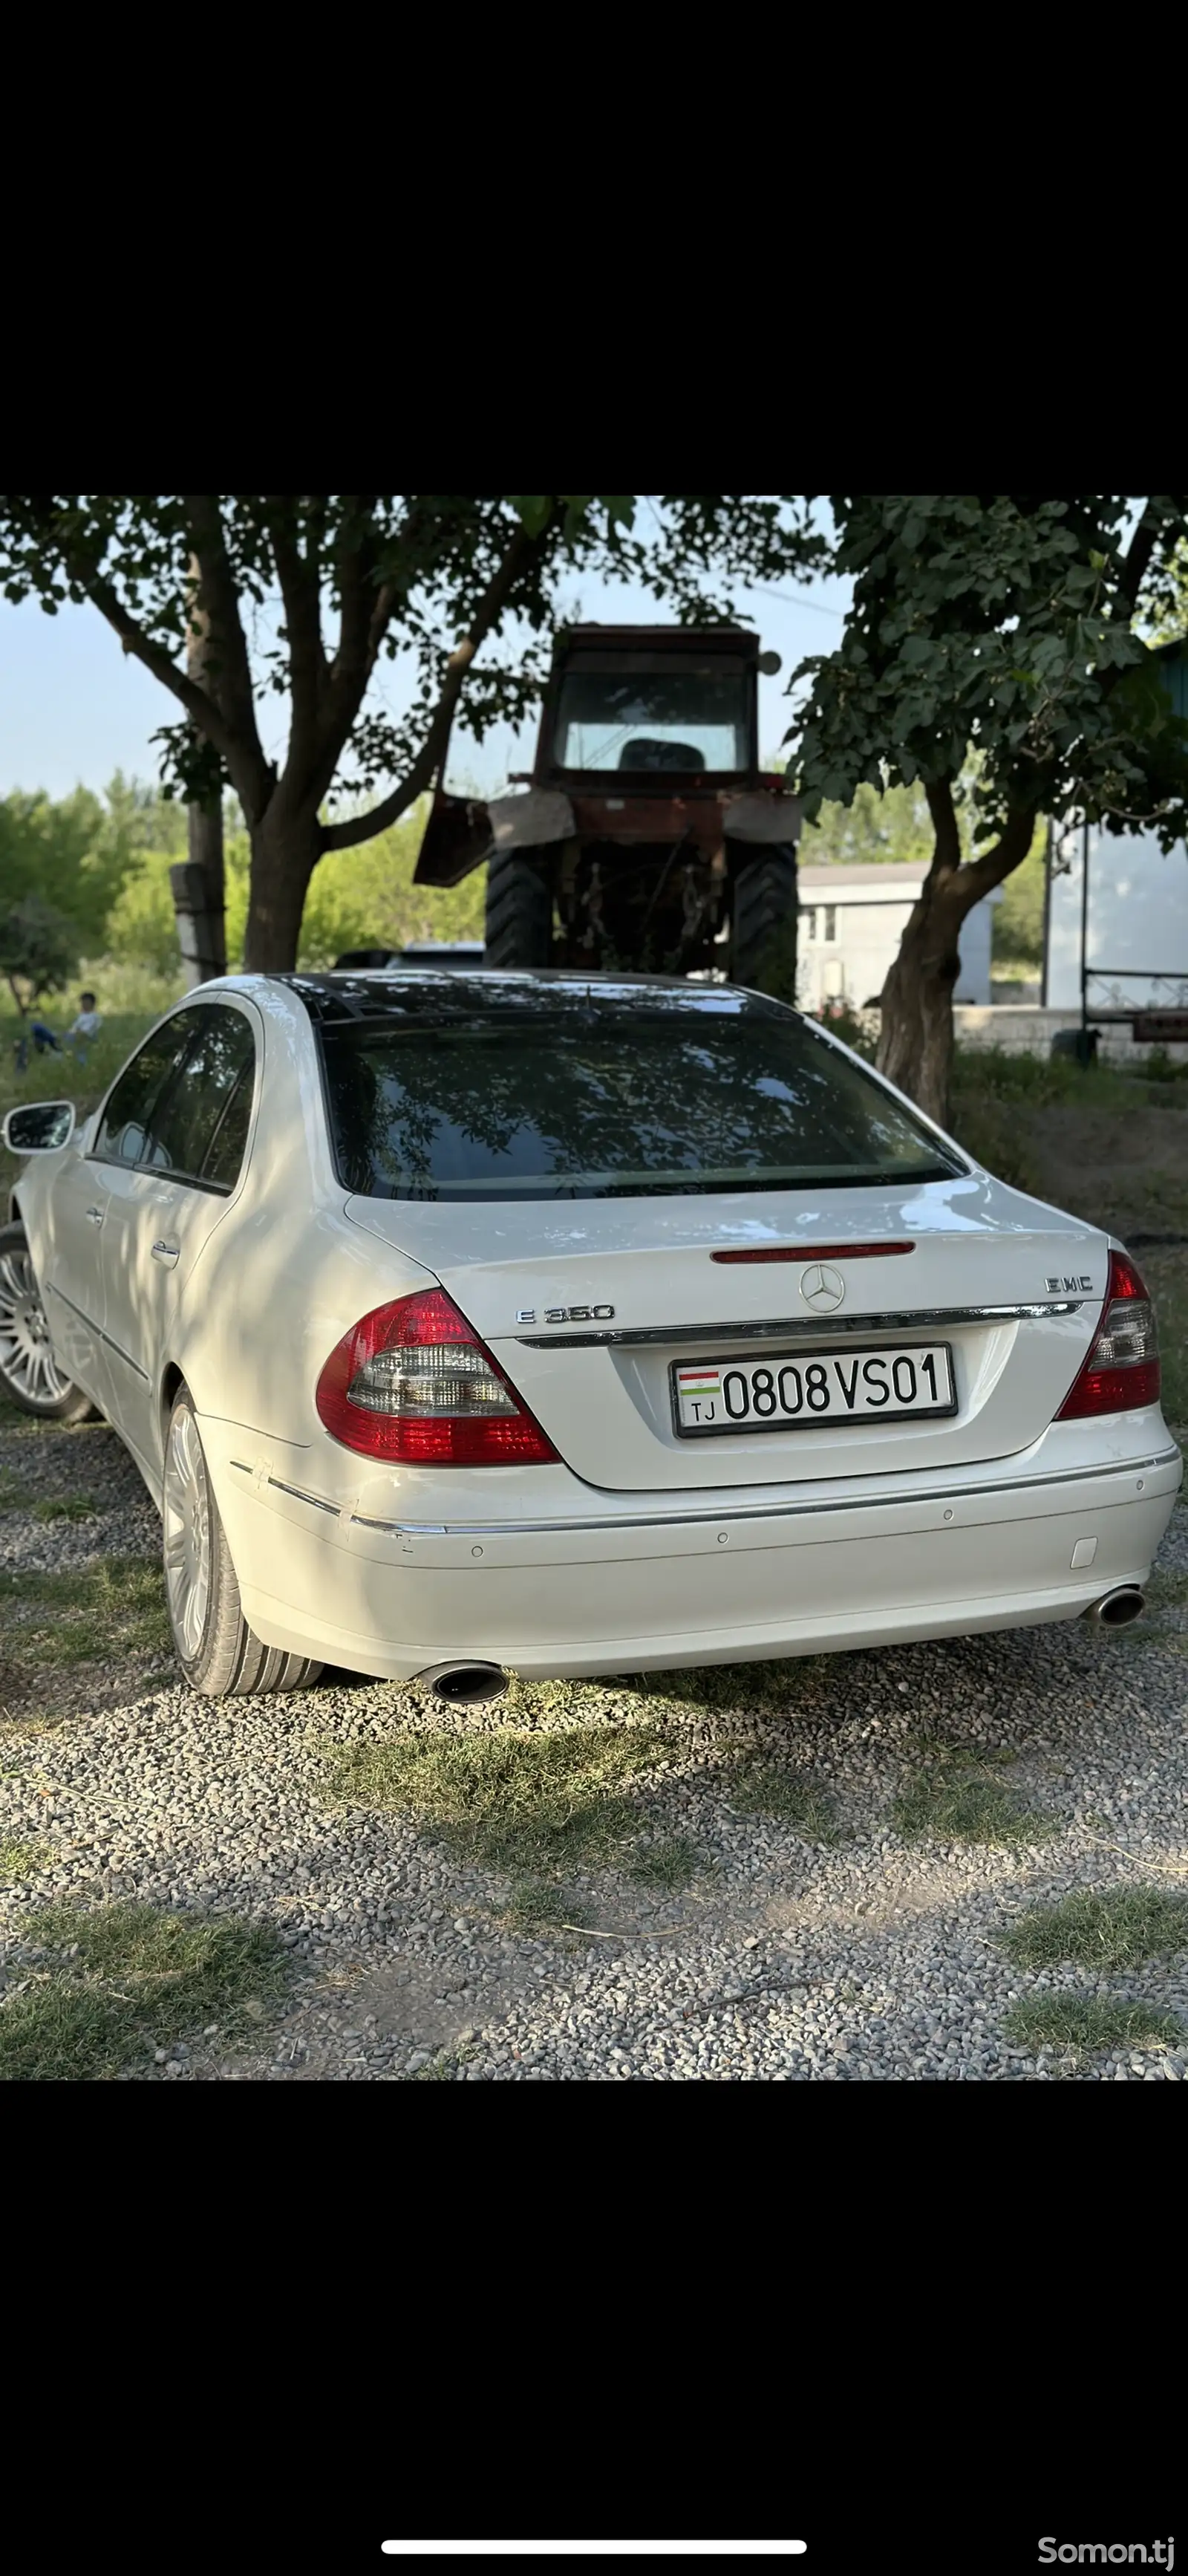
pixel 647 836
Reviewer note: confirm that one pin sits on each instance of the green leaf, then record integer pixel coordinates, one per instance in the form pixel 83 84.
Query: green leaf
pixel 533 509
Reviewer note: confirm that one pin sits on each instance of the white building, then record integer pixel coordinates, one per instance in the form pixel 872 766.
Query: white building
pixel 851 922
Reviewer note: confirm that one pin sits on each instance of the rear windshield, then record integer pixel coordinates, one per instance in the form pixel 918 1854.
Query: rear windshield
pixel 609 1103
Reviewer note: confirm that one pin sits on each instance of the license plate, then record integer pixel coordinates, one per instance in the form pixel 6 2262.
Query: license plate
pixel 810 1388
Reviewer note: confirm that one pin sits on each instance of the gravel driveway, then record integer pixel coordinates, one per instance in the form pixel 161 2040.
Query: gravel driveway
pixel 807 1929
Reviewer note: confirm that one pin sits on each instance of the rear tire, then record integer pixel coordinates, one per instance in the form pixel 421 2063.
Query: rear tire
pixel 30 1376
pixel 218 1652
pixel 763 936
pixel 519 908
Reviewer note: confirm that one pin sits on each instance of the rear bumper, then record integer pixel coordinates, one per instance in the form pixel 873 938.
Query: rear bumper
pixel 657 1590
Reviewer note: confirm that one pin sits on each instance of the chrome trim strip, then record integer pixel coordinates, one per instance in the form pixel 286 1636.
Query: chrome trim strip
pixel 792 1326
pixel 97 1329
pixel 755 1511
pixel 280 1487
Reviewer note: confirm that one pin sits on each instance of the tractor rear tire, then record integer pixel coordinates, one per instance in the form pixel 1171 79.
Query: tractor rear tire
pixel 764 914
pixel 519 908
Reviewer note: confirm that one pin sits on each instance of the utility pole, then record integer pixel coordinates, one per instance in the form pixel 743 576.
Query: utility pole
pixel 198 885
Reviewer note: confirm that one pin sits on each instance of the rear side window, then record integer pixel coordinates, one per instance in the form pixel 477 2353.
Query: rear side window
pixel 198 1117
pixel 224 1154
pixel 598 1101
pixel 123 1130
pixel 183 1104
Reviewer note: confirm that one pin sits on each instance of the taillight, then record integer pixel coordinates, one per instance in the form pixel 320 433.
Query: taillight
pixel 412 1383
pixel 1122 1368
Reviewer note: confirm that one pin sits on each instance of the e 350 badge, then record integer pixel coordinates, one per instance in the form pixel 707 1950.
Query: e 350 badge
pixel 565 1315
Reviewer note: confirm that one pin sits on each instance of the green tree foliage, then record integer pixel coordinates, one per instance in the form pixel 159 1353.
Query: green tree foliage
pixel 70 853
pixel 875 828
pixel 993 656
pixel 142 924
pixel 1165 601
pixel 76 853
pixel 360 898
pixel 1018 921
pixel 365 897
pixel 38 950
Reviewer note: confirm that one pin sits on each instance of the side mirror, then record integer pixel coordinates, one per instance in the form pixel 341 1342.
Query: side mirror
pixel 39 1127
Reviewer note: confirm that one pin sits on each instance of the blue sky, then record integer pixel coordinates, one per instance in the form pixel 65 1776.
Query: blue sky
pixel 74 708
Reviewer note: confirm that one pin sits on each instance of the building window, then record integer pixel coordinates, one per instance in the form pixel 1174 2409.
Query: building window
pixel 811 922
pixel 831 921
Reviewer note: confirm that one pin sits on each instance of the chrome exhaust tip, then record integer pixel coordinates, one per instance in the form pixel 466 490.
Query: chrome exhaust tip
pixel 1117 1609
pixel 464 1685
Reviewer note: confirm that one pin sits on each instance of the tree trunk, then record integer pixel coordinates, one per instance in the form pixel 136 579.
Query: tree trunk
pixel 916 1004
pixel 916 1029
pixel 285 850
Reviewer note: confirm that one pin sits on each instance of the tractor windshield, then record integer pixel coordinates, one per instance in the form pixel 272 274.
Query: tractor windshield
pixel 653 711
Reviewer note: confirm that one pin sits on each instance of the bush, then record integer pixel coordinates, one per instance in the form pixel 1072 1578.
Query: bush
pixel 38 950
pixel 857 1030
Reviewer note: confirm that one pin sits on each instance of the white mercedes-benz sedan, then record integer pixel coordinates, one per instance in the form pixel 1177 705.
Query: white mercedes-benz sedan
pixel 474 1323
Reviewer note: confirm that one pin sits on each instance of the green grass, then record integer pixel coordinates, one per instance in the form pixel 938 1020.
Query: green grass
pixel 1084 2022
pixel 31 1721
pixel 113 1608
pixel 996 1110
pixel 961 1799
pixel 531 1804
pixel 762 1788
pixel 1168 1588
pixel 991 1129
pixel 774 1686
pixel 537 1906
pixel 670 1863
pixel 1165 1269
pixel 1051 1081
pixel 13 1416
pixel 19 1860
pixel 1115 1927
pixel 15 1497
pixel 127 1979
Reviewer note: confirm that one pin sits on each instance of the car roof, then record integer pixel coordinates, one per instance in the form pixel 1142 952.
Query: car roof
pixel 457 992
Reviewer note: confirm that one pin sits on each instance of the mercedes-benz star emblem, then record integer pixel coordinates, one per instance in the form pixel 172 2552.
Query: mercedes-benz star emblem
pixel 822 1288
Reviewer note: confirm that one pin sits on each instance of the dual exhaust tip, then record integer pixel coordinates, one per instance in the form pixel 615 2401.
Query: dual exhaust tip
pixel 1117 1609
pixel 463 1684
pixel 470 1685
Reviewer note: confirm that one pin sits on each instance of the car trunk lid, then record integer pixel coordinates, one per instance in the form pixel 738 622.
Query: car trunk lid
pixel 589 1304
